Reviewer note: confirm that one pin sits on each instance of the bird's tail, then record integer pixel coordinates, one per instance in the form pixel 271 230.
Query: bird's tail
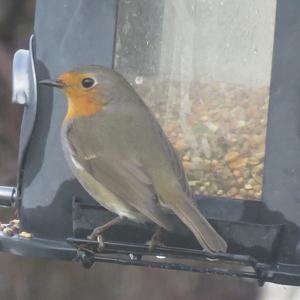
pixel 188 213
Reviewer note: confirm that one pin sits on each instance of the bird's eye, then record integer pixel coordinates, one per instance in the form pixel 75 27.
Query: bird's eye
pixel 87 82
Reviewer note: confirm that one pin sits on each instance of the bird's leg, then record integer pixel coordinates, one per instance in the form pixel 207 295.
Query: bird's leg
pixel 97 232
pixel 156 238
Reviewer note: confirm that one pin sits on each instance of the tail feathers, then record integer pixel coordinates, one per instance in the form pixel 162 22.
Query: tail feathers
pixel 206 235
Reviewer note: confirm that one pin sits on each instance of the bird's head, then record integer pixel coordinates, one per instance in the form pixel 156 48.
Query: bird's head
pixel 87 89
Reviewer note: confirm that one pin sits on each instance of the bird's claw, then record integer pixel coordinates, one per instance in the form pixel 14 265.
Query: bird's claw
pixel 99 238
pixel 101 245
pixel 155 241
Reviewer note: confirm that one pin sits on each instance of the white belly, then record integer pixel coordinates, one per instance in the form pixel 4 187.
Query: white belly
pixel 102 195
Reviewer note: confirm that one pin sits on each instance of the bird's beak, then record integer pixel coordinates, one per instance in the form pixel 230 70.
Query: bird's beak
pixel 55 83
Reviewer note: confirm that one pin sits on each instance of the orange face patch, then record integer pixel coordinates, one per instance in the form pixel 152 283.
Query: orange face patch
pixel 81 102
pixel 80 105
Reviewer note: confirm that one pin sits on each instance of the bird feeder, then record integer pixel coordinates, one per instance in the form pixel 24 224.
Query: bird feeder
pixel 197 65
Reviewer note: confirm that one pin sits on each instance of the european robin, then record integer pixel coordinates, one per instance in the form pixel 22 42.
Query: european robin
pixel 121 156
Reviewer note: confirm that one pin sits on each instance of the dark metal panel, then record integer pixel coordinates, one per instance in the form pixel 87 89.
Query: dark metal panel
pixel 68 34
pixel 281 190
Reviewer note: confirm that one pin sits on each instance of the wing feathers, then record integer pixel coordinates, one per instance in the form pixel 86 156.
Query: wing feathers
pixel 128 182
pixel 188 213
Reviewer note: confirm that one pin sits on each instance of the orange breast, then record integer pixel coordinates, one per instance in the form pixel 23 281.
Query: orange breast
pixel 81 104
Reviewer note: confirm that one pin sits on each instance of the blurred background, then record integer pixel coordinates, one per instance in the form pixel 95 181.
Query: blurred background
pixel 30 278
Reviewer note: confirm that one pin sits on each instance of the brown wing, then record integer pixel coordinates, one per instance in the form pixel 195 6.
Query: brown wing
pixel 174 159
pixel 126 179
pixel 175 194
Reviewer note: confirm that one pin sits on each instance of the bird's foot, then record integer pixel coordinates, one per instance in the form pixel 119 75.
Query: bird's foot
pixel 156 239
pixel 96 235
pixel 97 232
pixel 100 241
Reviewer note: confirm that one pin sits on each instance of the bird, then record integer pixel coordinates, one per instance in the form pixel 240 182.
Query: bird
pixel 121 156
